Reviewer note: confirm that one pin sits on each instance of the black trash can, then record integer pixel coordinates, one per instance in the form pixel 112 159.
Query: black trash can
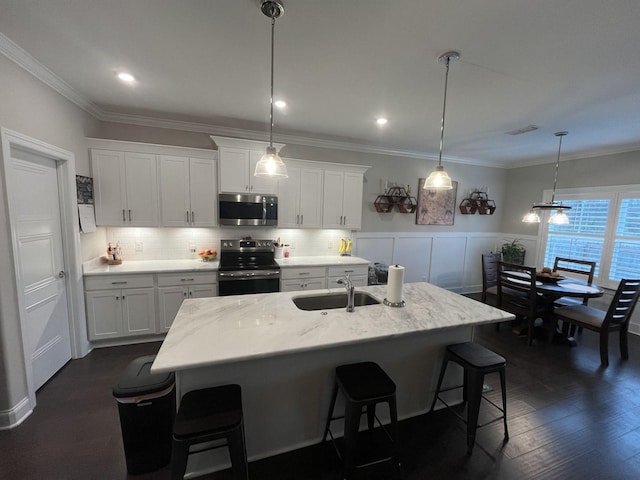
pixel 147 404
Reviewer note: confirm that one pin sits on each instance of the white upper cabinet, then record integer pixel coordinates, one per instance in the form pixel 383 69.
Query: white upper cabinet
pixel 342 201
pixel 188 189
pixel 237 160
pixel 125 188
pixel 148 185
pixel 300 197
pixel 236 172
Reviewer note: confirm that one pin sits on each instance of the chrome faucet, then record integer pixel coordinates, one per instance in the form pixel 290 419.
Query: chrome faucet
pixel 351 292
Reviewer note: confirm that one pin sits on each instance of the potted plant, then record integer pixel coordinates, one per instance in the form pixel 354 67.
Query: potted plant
pixel 513 252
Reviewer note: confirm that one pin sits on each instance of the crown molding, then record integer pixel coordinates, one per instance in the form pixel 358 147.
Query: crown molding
pixel 22 58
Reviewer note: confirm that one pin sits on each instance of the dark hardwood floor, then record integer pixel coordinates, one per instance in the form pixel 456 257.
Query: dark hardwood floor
pixel 568 418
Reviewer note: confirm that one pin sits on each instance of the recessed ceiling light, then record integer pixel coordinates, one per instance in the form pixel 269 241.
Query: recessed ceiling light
pixel 280 103
pixel 126 78
pixel 381 121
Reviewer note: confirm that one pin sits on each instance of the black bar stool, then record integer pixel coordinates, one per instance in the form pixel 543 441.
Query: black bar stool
pixel 477 361
pixel 364 385
pixel 206 415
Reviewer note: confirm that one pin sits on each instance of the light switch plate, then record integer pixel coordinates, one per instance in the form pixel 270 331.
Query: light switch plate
pixel 138 246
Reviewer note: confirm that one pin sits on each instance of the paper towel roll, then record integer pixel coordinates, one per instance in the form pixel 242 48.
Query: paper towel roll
pixel 394 283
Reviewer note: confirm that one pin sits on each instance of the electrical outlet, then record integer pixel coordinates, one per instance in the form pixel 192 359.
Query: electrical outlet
pixel 192 248
pixel 138 246
pixel 330 245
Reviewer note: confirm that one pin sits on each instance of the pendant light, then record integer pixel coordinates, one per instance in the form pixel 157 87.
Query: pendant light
pixel 271 165
pixel 559 217
pixel 439 179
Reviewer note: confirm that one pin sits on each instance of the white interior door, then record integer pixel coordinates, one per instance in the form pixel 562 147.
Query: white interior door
pixel 40 263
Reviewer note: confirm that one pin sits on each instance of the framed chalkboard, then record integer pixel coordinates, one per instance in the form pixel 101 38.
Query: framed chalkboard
pixel 84 187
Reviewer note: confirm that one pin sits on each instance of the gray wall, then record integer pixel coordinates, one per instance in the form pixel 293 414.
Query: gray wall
pixel 31 108
pixel 525 185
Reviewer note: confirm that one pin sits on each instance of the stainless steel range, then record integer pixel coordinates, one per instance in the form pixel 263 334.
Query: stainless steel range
pixel 247 266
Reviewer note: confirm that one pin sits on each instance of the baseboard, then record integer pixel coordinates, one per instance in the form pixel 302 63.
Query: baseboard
pixel 15 416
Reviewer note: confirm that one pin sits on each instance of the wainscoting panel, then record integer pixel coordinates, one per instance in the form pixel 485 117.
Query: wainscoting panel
pixel 375 249
pixel 449 260
pixel 414 254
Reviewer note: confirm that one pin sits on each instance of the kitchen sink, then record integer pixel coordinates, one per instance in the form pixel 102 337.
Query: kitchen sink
pixel 329 301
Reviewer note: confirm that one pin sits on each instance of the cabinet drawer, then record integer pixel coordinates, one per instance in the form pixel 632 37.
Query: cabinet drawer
pixel 299 284
pixel 102 282
pixel 357 281
pixel 302 272
pixel 184 279
pixel 352 270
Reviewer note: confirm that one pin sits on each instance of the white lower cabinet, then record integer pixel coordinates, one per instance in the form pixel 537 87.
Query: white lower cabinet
pixel 303 278
pixel 313 278
pixel 116 307
pixel 358 274
pixel 174 288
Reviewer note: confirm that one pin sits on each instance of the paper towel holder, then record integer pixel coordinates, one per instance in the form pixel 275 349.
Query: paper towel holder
pixel 401 303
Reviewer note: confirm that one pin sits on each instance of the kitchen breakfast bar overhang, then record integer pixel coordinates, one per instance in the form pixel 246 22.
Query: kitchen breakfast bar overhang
pixel 284 358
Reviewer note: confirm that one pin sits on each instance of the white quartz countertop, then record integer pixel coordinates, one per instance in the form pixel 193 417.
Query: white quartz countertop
pixel 320 261
pixel 100 267
pixel 149 266
pixel 209 331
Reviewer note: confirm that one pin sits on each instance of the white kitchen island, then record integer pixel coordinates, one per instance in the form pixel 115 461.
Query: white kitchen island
pixel 284 358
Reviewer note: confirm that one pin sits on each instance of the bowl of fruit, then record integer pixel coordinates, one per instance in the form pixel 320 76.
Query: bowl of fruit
pixel 208 255
pixel 547 275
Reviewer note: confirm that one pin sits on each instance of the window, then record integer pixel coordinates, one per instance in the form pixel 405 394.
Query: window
pixel 604 227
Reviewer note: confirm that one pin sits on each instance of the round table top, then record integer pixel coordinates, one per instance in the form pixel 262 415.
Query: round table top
pixel 566 287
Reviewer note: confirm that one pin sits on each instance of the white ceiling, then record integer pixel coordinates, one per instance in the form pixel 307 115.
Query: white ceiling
pixel 562 65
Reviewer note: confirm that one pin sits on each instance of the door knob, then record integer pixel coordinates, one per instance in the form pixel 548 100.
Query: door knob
pixel 61 274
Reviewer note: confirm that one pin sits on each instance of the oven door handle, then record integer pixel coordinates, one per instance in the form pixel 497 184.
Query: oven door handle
pixel 261 275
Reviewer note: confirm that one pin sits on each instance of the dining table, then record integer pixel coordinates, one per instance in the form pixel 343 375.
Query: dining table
pixel 552 288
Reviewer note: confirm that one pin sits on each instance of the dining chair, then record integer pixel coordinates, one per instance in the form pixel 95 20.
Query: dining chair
pixel 574 267
pixel 616 318
pixel 517 294
pixel 490 277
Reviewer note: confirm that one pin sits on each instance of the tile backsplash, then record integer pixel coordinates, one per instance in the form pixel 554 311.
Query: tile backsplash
pixel 177 243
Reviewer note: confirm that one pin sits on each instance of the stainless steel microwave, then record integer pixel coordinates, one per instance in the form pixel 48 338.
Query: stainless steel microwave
pixel 250 210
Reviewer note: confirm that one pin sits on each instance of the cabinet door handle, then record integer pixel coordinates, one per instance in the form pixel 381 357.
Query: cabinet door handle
pixel 348 271
pixel 122 297
pixel 193 216
pixel 119 283
pixel 129 215
pixel 297 219
pixel 187 216
pixel 185 294
pixel 123 217
pixel 301 219
pixel 303 273
pixel 191 294
pixel 186 279
pixel 117 298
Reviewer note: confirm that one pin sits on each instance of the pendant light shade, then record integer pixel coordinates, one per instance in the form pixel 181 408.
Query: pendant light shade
pixel 439 179
pixel 270 164
pixel 559 217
